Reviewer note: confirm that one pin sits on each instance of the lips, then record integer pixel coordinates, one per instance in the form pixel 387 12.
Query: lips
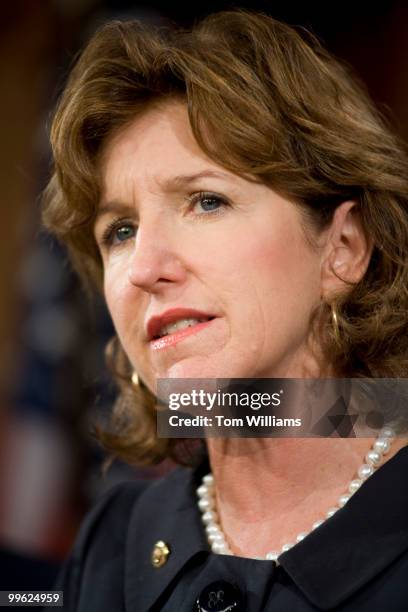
pixel 156 323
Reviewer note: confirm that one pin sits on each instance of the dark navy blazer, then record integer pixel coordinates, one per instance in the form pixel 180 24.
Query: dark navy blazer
pixel 357 560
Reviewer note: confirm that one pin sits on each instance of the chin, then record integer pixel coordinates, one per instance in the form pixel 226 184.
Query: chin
pixel 204 368
pixel 190 370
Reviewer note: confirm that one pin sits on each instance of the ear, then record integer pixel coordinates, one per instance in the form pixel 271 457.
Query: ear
pixel 346 252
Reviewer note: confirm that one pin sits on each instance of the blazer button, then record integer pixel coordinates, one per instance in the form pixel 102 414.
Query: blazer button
pixel 160 554
pixel 220 596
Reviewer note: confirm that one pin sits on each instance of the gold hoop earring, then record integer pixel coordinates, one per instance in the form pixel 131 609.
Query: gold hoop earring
pixel 335 323
pixel 135 379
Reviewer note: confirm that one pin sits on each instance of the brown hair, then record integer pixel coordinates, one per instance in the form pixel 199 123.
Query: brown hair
pixel 266 99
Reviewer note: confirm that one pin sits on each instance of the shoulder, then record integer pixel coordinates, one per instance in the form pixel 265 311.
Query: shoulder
pixel 109 516
pixel 98 554
pixel 100 540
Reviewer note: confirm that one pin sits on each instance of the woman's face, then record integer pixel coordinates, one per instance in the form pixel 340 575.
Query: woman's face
pixel 185 241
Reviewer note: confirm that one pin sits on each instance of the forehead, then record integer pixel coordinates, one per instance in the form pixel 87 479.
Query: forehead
pixel 156 144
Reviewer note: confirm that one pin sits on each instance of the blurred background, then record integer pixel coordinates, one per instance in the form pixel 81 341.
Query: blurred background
pixel 53 380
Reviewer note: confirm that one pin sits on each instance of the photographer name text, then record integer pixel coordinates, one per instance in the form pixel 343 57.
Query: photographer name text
pixel 176 420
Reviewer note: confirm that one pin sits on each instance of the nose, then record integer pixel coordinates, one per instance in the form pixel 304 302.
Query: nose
pixel 155 261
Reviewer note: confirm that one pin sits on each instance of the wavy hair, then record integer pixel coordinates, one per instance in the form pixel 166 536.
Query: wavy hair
pixel 263 99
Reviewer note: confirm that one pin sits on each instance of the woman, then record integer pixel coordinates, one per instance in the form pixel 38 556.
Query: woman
pixel 243 208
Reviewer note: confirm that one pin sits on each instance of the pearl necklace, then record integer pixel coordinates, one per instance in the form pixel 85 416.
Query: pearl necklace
pixel 215 535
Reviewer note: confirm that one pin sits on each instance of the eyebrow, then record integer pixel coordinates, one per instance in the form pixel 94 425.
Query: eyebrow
pixel 113 206
pixel 185 179
pixel 172 184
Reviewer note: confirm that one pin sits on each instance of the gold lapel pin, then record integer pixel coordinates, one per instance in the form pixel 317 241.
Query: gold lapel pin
pixel 160 554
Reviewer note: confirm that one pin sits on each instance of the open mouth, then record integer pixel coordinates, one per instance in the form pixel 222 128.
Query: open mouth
pixel 174 325
pixel 179 326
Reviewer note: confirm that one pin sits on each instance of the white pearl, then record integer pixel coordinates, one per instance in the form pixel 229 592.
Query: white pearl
pixel 215 534
pixel 373 457
pixel 272 555
pixel 216 537
pixel 343 499
pixel 355 485
pixel 382 445
pixel 301 536
pixel 219 548
pixel 317 524
pixel 212 528
pixel 202 491
pixel 209 517
pixel 387 432
pixel 205 503
pixel 365 471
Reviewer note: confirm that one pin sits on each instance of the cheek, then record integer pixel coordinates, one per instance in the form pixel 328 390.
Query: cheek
pixel 285 263
pixel 279 277
pixel 274 259
pixel 120 299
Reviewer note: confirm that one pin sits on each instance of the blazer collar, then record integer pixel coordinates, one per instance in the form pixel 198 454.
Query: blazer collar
pixel 165 511
pixel 333 562
pixel 358 542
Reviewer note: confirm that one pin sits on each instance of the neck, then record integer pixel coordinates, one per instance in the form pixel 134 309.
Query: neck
pixel 269 490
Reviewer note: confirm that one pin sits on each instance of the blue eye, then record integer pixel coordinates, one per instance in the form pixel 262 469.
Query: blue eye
pixel 208 202
pixel 124 232
pixel 118 232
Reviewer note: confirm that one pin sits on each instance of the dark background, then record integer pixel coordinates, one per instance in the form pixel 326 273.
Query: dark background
pixel 52 377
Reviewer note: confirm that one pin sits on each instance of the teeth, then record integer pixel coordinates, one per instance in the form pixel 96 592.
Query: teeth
pixel 177 325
